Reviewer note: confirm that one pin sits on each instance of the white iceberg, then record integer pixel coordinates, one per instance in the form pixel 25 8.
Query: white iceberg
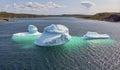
pixel 53 35
pixel 95 35
pixel 32 30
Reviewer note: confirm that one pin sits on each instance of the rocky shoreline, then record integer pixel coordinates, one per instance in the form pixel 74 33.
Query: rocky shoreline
pixel 110 17
pixel 3 20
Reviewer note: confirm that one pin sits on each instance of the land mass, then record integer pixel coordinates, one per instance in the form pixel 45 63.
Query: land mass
pixel 5 15
pixel 108 16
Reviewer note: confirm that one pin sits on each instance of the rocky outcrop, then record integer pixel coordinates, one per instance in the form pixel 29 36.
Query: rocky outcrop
pixel 113 18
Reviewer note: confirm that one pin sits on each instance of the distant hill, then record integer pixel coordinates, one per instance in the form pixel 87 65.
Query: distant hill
pixel 74 15
pixel 108 16
pixel 6 15
pixel 104 17
pixel 14 15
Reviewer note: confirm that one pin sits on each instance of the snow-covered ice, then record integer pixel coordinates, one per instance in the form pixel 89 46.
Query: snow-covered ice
pixel 54 35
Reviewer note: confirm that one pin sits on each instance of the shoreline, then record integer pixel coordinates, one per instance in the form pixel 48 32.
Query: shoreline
pixel 109 17
pixel 4 19
pixel 104 16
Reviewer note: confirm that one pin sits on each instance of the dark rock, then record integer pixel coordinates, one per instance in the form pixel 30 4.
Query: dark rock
pixel 6 19
pixel 113 18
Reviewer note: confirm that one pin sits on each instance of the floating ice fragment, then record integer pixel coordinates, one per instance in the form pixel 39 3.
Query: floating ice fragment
pixel 53 35
pixel 95 35
pixel 32 30
pixel 26 37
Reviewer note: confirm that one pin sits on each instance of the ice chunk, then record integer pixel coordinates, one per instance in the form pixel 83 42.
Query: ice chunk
pixel 95 35
pixel 32 30
pixel 53 35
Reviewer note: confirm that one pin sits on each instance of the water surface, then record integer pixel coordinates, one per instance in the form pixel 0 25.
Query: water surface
pixel 77 55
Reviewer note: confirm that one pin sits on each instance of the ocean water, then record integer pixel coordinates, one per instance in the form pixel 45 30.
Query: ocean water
pixel 77 54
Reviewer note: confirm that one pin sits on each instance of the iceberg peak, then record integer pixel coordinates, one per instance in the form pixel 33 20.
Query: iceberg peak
pixel 57 29
pixel 32 29
pixel 53 35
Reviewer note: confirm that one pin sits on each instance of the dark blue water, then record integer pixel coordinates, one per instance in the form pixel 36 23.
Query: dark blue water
pixel 15 56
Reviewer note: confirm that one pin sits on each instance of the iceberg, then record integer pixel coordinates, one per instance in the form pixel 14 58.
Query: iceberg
pixel 53 35
pixel 27 37
pixel 95 35
pixel 32 30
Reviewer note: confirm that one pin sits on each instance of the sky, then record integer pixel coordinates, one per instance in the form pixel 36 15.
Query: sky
pixel 58 7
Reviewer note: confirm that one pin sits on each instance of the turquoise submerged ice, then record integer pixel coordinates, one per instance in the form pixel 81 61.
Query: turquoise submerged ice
pixel 32 30
pixel 53 35
pixel 95 35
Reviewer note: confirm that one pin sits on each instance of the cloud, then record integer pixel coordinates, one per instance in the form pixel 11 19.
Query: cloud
pixel 87 4
pixel 33 6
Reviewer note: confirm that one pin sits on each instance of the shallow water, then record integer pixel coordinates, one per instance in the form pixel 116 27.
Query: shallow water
pixel 77 54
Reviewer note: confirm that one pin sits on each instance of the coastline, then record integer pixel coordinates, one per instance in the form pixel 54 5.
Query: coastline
pixel 105 16
pixel 4 19
pixel 108 16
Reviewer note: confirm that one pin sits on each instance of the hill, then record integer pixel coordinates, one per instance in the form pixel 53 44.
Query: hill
pixel 107 16
pixel 104 16
pixel 14 15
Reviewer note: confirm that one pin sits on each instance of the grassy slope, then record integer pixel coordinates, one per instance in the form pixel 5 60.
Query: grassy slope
pixel 13 15
pixel 99 16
